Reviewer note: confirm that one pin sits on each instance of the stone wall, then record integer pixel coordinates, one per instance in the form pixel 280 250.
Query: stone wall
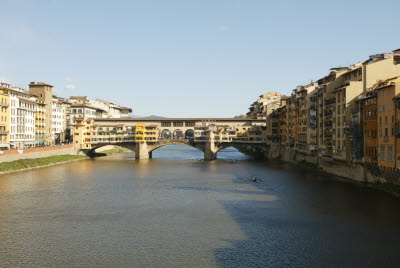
pixel 12 155
pixel 355 172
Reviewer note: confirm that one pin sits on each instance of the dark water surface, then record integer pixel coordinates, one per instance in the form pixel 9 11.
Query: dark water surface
pixel 179 211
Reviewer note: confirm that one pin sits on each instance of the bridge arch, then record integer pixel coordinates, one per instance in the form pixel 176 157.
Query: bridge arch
pixel 176 142
pixel 91 152
pixel 255 151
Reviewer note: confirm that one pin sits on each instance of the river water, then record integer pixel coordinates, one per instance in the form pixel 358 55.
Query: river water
pixel 176 210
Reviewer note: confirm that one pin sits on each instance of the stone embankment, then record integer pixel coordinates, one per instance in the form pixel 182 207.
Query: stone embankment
pixel 33 158
pixel 13 155
pixel 39 152
pixel 357 172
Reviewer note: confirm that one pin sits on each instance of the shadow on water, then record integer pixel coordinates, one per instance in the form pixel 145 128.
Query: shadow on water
pixel 313 223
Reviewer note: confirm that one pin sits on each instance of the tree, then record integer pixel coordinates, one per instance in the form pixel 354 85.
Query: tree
pixel 240 116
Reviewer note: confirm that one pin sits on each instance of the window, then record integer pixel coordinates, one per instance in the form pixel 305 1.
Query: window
pixel 390 153
pixel 382 152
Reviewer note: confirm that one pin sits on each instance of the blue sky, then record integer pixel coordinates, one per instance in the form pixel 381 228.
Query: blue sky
pixel 187 58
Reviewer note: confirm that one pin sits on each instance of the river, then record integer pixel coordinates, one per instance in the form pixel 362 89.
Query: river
pixel 176 210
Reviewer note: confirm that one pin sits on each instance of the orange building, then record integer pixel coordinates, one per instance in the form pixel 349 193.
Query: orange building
pixel 386 91
pixel 396 100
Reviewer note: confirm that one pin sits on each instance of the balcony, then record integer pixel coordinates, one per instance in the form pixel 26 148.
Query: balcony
pixel 330 101
pixel 3 104
pixel 3 132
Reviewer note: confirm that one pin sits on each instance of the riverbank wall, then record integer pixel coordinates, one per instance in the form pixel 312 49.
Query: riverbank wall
pixel 13 155
pixel 39 152
pixel 357 172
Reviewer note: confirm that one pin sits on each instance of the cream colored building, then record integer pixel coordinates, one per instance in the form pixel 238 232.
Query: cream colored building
pixel 380 67
pixel 310 122
pixel 23 109
pixel 111 110
pixel 59 120
pixel 262 107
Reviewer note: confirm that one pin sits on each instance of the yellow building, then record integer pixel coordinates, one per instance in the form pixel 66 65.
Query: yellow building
pixel 4 117
pixel 84 129
pixel 140 132
pixel 40 122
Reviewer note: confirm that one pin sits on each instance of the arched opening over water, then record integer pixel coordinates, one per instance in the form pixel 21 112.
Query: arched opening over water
pixel 182 151
pixel 95 152
pixel 231 153
pixel 177 151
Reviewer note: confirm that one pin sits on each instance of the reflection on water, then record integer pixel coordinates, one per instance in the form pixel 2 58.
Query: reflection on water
pixel 177 210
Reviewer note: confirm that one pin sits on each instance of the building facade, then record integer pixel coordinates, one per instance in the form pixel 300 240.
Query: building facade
pixel 40 123
pixel 4 116
pixel 44 93
pixel 23 109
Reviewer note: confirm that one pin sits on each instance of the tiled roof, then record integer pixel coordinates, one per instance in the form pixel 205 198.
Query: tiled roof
pixel 39 84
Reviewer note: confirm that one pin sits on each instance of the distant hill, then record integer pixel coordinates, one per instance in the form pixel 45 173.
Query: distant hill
pixel 149 116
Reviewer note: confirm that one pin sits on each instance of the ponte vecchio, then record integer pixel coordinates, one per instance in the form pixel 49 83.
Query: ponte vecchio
pixel 144 135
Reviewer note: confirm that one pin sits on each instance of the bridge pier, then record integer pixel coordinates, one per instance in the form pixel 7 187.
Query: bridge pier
pixel 142 151
pixel 210 151
pixel 209 155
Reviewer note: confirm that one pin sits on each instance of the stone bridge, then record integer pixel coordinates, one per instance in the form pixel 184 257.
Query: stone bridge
pixel 143 136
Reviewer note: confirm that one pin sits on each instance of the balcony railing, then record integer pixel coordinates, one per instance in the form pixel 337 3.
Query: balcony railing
pixel 330 101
